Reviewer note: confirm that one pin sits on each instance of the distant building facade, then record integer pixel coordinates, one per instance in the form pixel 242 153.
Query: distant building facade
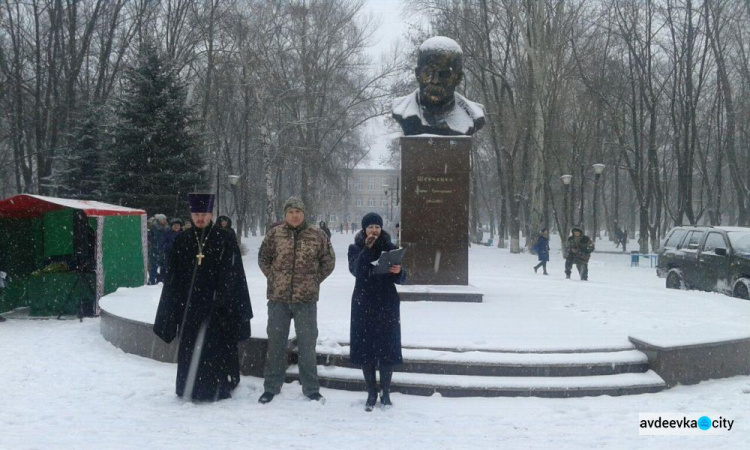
pixel 369 190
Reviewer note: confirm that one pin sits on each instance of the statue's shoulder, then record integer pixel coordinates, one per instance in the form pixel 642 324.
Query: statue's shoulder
pixel 406 106
pixel 467 116
pixel 473 109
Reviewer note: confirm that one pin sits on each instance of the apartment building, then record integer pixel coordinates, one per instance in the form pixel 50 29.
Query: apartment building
pixel 369 190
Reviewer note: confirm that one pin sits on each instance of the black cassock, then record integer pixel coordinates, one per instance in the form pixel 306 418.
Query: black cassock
pixel 207 306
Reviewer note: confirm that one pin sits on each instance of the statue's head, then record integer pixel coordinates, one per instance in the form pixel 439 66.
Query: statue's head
pixel 439 71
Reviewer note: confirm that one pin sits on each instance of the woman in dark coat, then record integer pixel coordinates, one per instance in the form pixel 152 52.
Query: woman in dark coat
pixel 226 223
pixel 323 226
pixel 175 228
pixel 375 332
pixel 542 250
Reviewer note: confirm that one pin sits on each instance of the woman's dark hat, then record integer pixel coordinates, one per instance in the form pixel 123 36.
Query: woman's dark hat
pixel 201 203
pixel 372 219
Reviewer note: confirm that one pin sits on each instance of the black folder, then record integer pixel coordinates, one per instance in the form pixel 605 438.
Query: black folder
pixel 388 259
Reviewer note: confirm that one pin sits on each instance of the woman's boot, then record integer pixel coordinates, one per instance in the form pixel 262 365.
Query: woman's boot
pixel 386 372
pixel 372 390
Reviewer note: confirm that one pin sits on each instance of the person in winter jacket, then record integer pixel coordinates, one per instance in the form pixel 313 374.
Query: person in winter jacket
pixel 156 255
pixel 226 223
pixel 3 276
pixel 579 249
pixel 175 228
pixel 541 248
pixel 325 229
pixel 618 235
pixel 295 258
pixel 375 330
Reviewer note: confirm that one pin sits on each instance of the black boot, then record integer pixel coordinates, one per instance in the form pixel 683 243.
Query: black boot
pixel 386 372
pixel 372 390
pixel 266 398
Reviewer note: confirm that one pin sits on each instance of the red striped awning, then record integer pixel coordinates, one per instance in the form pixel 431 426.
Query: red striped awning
pixel 26 206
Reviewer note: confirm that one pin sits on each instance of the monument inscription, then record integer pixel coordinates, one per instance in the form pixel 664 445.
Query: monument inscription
pixel 435 189
pixel 434 209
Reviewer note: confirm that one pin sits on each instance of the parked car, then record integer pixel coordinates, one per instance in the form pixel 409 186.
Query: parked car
pixel 707 258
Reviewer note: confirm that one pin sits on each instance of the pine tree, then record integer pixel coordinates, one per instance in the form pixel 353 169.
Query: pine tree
pixel 82 171
pixel 155 159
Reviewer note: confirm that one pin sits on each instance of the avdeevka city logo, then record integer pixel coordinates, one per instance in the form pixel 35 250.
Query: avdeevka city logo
pixel 682 424
pixel 704 423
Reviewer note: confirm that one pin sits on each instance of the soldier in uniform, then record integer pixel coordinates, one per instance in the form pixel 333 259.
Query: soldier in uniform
pixel 579 251
pixel 295 258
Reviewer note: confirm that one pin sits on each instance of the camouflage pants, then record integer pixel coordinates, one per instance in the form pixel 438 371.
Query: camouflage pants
pixel 583 267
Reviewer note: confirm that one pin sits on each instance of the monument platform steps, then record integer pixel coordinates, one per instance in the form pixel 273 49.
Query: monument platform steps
pixel 473 386
pixel 507 364
pixel 496 374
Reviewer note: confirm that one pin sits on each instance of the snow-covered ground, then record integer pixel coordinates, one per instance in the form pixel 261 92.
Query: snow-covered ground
pixel 64 386
pixel 521 310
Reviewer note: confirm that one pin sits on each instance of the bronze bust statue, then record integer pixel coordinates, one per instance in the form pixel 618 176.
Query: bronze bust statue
pixel 435 108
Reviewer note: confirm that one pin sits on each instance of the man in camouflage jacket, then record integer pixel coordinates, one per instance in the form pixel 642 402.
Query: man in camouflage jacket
pixel 578 249
pixel 295 258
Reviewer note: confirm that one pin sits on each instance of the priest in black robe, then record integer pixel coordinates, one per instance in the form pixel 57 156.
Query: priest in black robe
pixel 206 305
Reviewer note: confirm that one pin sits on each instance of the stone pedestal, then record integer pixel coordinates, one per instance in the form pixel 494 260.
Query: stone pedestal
pixel 435 185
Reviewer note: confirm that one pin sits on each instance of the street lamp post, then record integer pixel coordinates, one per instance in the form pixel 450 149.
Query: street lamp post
pixel 385 192
pixel 233 180
pixel 566 179
pixel 390 210
pixel 389 197
pixel 390 193
pixel 598 169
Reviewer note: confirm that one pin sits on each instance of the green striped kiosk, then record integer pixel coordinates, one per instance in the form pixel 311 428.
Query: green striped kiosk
pixel 44 242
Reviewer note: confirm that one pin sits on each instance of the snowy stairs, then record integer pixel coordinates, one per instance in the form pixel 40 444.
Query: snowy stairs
pixel 493 374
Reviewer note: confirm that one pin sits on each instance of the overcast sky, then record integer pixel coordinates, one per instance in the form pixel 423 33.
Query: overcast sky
pixel 390 14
